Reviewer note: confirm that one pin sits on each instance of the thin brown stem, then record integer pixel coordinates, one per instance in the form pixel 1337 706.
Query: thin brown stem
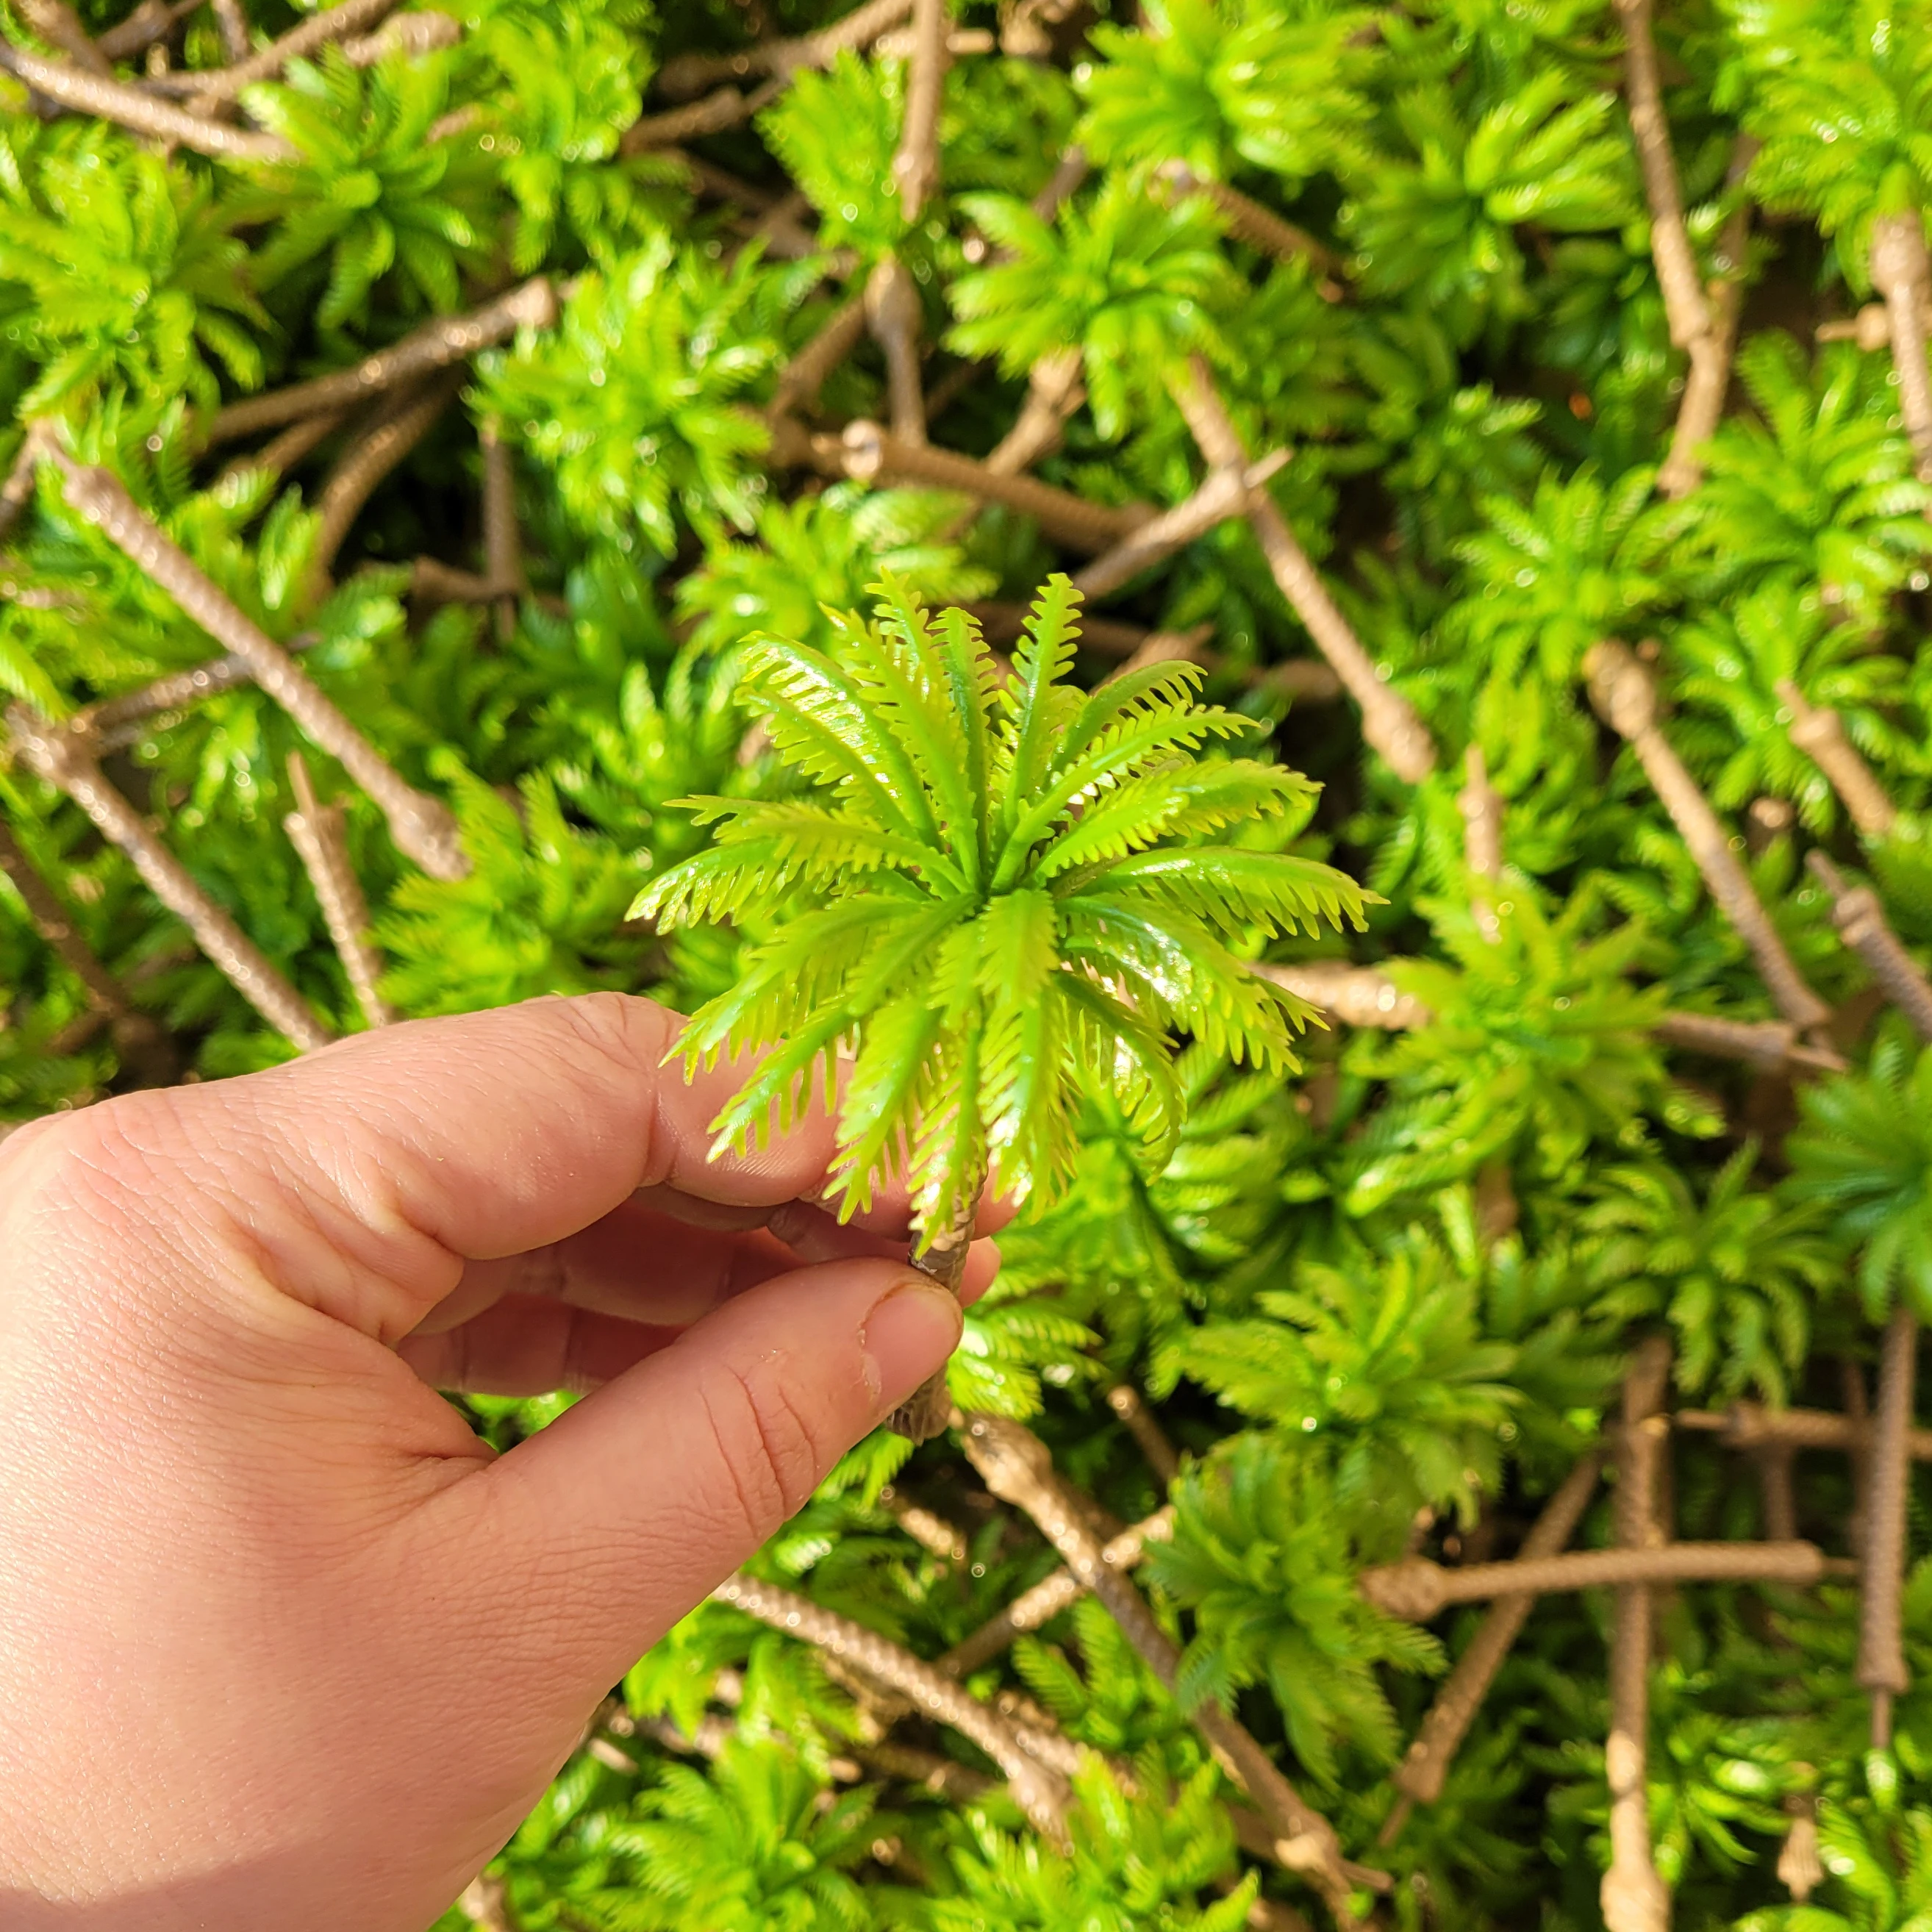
pixel 1778 1497
pixel 1422 1772
pixel 319 834
pixel 1415 1589
pixel 133 107
pixel 153 20
pixel 1071 169
pixel 1222 493
pixel 1260 228
pixel 139 1041
pixel 1748 1425
pixel 437 345
pixel 692 73
pixel 1041 1792
pixel 1707 383
pixel 59 26
pixel 1389 721
pixel 62 759
pixel 1819 734
pixel 209 87
pixel 927 1411
pixel 362 466
pixel 1016 1466
pixel 915 165
pixel 1357 996
pixel 728 107
pixel 233 25
pixel 894 316
pixel 874 455
pixel 1033 1608
pixel 1127 1403
pixel 1626 700
pixel 1634 1896
pixel 1881 1661
pixel 412 35
pixel 1054 390
pixel 1901 274
pixel 422 826
pixel 285 452
pixel 1771 1045
pixel 1870 329
pixel 1482 812
pixel 930 1531
pixel 503 536
pixel 1861 924
pixel 801 378
pixel 1686 307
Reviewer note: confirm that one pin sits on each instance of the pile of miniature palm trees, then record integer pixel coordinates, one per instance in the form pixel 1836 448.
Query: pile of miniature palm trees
pixel 1428 904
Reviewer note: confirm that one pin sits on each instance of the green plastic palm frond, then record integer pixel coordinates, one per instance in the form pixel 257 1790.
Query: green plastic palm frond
pixel 993 900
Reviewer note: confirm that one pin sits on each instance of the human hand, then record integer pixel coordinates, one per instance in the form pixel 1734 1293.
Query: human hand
pixel 282 1643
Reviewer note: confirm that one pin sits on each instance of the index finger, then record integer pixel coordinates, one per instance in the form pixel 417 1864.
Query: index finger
pixel 414 1149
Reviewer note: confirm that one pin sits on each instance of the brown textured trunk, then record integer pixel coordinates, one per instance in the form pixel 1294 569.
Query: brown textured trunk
pixel 436 345
pixel 62 761
pixel 317 832
pixel 1416 1589
pixel 1899 273
pixel 926 1412
pixel 1421 1773
pixel 422 826
pixel 1625 699
pixel 1016 1466
pixel 873 454
pixel 1819 734
pixel 1881 1663
pixel 1861 924
pixel 1389 721
pixel 1634 1899
pixel 1041 1791
pixel 893 314
pixel 915 165
pixel 1050 1596
pixel 138 1040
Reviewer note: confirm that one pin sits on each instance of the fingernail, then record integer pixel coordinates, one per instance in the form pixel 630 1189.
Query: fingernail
pixel 906 1337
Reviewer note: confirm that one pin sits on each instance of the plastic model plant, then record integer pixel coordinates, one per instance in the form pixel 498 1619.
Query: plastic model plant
pixel 1461 1464
pixel 1004 895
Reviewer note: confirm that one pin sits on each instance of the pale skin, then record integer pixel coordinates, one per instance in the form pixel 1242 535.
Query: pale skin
pixel 282 1643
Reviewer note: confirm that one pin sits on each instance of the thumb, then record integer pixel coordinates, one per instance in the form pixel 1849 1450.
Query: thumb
pixel 628 1509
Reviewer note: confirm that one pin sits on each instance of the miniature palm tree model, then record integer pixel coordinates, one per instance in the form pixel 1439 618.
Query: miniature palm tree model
pixel 998 894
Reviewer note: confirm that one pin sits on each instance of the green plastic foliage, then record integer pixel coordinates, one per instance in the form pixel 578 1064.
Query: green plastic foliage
pixel 999 897
pixel 1379 1363
pixel 1817 491
pixel 1439 221
pixel 1132 287
pixel 1736 1274
pixel 837 133
pixel 1139 1860
pixel 377 188
pixel 634 400
pixel 1865 1151
pixel 1841 95
pixel 541 911
pixel 1278 88
pixel 1264 1555
pixel 1538 1050
pixel 133 275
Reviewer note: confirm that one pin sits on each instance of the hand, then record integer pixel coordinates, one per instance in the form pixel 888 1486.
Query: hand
pixel 282 1643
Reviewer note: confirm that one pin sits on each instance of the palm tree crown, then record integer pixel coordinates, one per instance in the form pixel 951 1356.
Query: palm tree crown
pixel 993 895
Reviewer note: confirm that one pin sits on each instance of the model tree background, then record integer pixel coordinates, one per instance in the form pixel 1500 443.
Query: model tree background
pixel 1457 1470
